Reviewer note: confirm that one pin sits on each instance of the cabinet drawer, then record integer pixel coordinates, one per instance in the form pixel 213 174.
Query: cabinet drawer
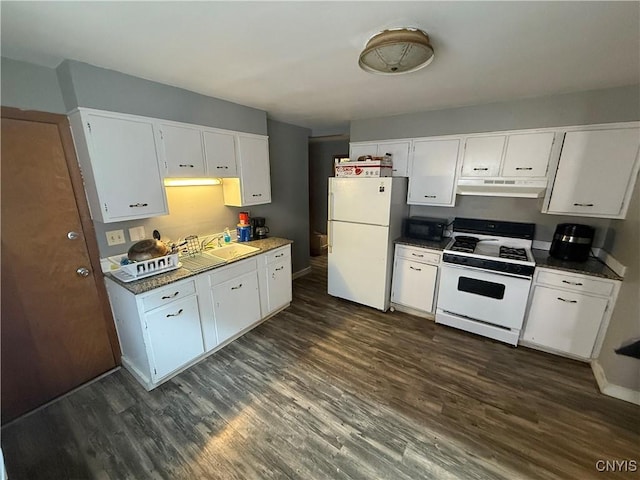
pixel 577 283
pixel 418 254
pixel 168 294
pixel 277 254
pixel 225 274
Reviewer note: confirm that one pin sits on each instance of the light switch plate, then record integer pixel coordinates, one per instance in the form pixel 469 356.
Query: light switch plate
pixel 115 237
pixel 137 233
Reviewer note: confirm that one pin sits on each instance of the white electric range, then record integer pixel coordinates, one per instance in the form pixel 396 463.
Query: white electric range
pixel 486 275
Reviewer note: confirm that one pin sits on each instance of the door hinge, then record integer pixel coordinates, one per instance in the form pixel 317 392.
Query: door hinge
pixel 606 307
pixel 89 126
pixel 106 208
pixel 155 372
pixel 161 135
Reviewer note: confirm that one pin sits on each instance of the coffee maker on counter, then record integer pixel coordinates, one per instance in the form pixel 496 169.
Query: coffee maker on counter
pixel 258 228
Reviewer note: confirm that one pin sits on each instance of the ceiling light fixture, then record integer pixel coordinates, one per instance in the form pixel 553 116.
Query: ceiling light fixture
pixel 397 50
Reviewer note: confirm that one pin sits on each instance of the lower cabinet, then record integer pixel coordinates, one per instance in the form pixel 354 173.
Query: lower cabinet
pixel 167 329
pixel 275 280
pixel 415 275
pixel 568 313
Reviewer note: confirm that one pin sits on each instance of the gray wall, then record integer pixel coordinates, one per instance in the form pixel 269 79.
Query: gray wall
pixel 625 320
pixel 85 85
pixel 595 106
pixel 321 152
pixel 288 213
pixel 30 87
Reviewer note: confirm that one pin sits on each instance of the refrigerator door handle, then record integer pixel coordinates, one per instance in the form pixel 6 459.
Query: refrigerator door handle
pixel 330 236
pixel 331 199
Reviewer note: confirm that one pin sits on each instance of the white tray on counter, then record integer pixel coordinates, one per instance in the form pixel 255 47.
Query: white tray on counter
pixel 147 268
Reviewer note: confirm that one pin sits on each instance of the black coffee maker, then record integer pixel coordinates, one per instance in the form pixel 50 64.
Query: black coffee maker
pixel 572 241
pixel 258 228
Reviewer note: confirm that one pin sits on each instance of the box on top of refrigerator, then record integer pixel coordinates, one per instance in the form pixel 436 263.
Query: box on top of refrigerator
pixel 366 167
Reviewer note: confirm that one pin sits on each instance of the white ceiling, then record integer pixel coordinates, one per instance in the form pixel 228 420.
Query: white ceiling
pixel 299 60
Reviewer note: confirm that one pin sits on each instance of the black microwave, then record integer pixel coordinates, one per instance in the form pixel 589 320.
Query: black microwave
pixel 424 228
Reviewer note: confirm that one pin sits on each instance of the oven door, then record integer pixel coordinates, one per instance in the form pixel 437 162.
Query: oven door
pixel 490 297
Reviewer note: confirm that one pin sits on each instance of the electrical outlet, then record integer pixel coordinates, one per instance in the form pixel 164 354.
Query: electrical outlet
pixel 137 233
pixel 115 237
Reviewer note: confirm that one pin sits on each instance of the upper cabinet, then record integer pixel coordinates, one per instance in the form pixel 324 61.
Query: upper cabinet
pixel 596 173
pixel 120 165
pixel 432 172
pixel 398 149
pixel 180 151
pixel 513 155
pixel 253 184
pixel 220 154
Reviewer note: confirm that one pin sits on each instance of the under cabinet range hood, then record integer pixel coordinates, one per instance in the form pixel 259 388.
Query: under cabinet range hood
pixel 502 187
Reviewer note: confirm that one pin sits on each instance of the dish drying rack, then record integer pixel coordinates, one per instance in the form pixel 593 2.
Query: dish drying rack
pixel 147 268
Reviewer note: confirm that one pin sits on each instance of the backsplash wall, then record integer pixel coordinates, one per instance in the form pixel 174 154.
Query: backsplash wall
pixel 515 210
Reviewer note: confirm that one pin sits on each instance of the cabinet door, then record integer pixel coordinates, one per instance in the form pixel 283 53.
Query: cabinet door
pixel 175 337
pixel 400 155
pixel 482 156
pixel 254 170
pixel 527 155
pixel 236 305
pixel 595 172
pixel 124 161
pixel 359 149
pixel 220 154
pixel 564 321
pixel 414 284
pixel 278 284
pixel 432 173
pixel 181 151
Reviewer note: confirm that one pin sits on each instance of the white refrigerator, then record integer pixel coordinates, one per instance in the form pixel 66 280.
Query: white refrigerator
pixel 365 217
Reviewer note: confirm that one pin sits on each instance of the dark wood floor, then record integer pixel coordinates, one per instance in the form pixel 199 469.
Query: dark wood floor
pixel 328 389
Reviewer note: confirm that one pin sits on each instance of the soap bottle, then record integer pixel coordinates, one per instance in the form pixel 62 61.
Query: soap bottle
pixel 227 235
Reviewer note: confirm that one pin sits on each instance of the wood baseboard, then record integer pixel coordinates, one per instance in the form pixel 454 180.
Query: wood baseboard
pixel 611 390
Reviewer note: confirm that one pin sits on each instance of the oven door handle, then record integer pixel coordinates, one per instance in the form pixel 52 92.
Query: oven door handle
pixel 476 269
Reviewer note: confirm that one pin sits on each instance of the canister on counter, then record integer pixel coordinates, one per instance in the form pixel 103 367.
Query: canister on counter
pixel 244 232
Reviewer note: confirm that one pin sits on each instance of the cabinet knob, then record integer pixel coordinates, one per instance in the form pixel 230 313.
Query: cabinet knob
pixel 83 272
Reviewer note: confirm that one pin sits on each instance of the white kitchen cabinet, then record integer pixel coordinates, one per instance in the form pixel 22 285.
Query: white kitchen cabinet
pixel 596 173
pixel 482 156
pixel 119 162
pixel 253 184
pixel 568 313
pixel 415 277
pixel 235 297
pixel 220 154
pixel 522 154
pixel 432 172
pixel 275 280
pixel 181 152
pixel 398 149
pixel 159 331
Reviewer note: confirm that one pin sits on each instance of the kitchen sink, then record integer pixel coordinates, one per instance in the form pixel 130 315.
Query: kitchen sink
pixel 229 252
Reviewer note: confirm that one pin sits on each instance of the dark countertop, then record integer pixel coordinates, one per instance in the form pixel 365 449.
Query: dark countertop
pixel 146 284
pixel 413 242
pixel 593 266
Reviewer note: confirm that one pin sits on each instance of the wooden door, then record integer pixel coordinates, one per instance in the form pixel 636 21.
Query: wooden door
pixel 57 329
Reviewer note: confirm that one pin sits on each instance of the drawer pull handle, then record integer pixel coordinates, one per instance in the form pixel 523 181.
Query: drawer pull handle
pixel 414 268
pixel 568 301
pixel 174 314
pixel 236 287
pixel 583 204
pixel 417 255
pixel 524 168
pixel 279 255
pixel 183 165
pixel 222 166
pixel 137 205
pixel 256 194
pixel 170 296
pixel 430 196
pixel 481 168
pixel 280 268
pixel 577 284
